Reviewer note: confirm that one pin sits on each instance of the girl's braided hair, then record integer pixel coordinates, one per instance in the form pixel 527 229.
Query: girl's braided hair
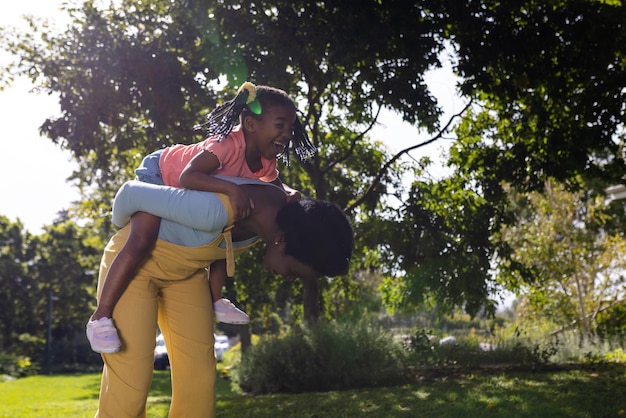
pixel 250 101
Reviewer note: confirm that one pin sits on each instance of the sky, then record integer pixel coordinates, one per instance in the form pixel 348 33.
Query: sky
pixel 35 170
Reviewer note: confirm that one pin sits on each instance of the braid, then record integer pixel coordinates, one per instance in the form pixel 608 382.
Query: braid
pixel 252 99
pixel 222 119
pixel 301 144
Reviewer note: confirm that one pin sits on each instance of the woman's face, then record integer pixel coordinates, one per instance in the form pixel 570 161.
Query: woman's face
pixel 277 262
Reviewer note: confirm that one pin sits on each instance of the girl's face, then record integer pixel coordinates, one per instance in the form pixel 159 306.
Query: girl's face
pixel 277 262
pixel 271 133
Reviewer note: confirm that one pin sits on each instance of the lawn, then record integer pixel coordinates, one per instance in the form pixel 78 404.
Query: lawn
pixel 598 391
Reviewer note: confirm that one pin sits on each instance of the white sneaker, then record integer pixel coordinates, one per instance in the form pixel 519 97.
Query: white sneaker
pixel 228 313
pixel 102 336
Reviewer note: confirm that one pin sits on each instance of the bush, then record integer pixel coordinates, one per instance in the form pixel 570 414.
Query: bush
pixel 16 365
pixel 612 323
pixel 328 356
pixel 472 350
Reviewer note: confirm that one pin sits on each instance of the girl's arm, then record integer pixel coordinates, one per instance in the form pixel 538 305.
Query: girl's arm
pixel 292 194
pixel 198 175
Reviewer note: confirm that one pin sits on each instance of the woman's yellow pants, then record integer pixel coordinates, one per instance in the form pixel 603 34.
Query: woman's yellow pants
pixel 184 311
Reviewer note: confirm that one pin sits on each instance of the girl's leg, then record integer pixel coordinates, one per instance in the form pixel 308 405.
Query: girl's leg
pixel 144 229
pixel 101 331
pixel 225 310
pixel 127 375
pixel 198 210
pixel 217 277
pixel 186 321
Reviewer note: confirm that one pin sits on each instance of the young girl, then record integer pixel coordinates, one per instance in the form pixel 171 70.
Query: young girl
pixel 268 124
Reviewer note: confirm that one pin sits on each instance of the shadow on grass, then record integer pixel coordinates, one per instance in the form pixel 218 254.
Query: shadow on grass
pixel 571 391
pixel 598 391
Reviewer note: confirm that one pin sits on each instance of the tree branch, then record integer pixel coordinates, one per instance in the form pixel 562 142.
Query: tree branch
pixel 353 144
pixel 574 323
pixel 388 164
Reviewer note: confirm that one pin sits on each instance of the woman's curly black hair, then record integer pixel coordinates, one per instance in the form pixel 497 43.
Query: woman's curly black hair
pixel 317 233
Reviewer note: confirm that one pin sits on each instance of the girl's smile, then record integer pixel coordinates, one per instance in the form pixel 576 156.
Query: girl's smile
pixel 279 147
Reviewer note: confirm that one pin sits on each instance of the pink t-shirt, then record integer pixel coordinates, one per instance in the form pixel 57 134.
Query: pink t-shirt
pixel 231 153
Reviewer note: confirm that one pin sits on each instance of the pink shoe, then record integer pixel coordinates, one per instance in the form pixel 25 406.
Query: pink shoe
pixel 102 336
pixel 228 313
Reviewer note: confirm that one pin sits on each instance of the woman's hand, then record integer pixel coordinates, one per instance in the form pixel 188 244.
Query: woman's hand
pixel 241 202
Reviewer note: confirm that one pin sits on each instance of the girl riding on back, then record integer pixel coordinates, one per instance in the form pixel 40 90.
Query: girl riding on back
pixel 268 128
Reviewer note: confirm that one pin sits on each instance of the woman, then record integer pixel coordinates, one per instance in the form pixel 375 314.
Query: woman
pixel 306 238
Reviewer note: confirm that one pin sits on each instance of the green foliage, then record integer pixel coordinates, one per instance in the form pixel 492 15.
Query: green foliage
pixel 136 76
pixel 616 356
pixel 345 52
pixel 472 350
pixel 16 366
pixel 271 323
pixel 328 356
pixel 14 281
pixel 540 338
pixel 355 297
pixel 575 393
pixel 577 265
pixel 612 322
pixel 461 324
pixel 120 77
pixel 443 235
pixel 553 111
pixel 50 291
pixel 27 345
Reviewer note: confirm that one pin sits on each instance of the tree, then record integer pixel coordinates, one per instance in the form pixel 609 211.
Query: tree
pixel 443 235
pixel 15 301
pixel 137 77
pixel 542 107
pixel 577 267
pixel 65 259
pixel 49 288
pixel 549 77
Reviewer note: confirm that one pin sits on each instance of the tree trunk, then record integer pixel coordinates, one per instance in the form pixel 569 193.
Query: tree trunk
pixel 310 300
pixel 244 338
pixel 584 319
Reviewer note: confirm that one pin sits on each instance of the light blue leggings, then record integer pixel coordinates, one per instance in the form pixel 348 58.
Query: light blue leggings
pixel 190 218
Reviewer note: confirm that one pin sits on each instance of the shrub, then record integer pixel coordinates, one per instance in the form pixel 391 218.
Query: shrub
pixel 612 322
pixel 471 350
pixel 16 365
pixel 327 356
pixel 616 356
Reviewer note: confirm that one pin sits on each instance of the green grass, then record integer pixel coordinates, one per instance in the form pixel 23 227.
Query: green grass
pixel 584 392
